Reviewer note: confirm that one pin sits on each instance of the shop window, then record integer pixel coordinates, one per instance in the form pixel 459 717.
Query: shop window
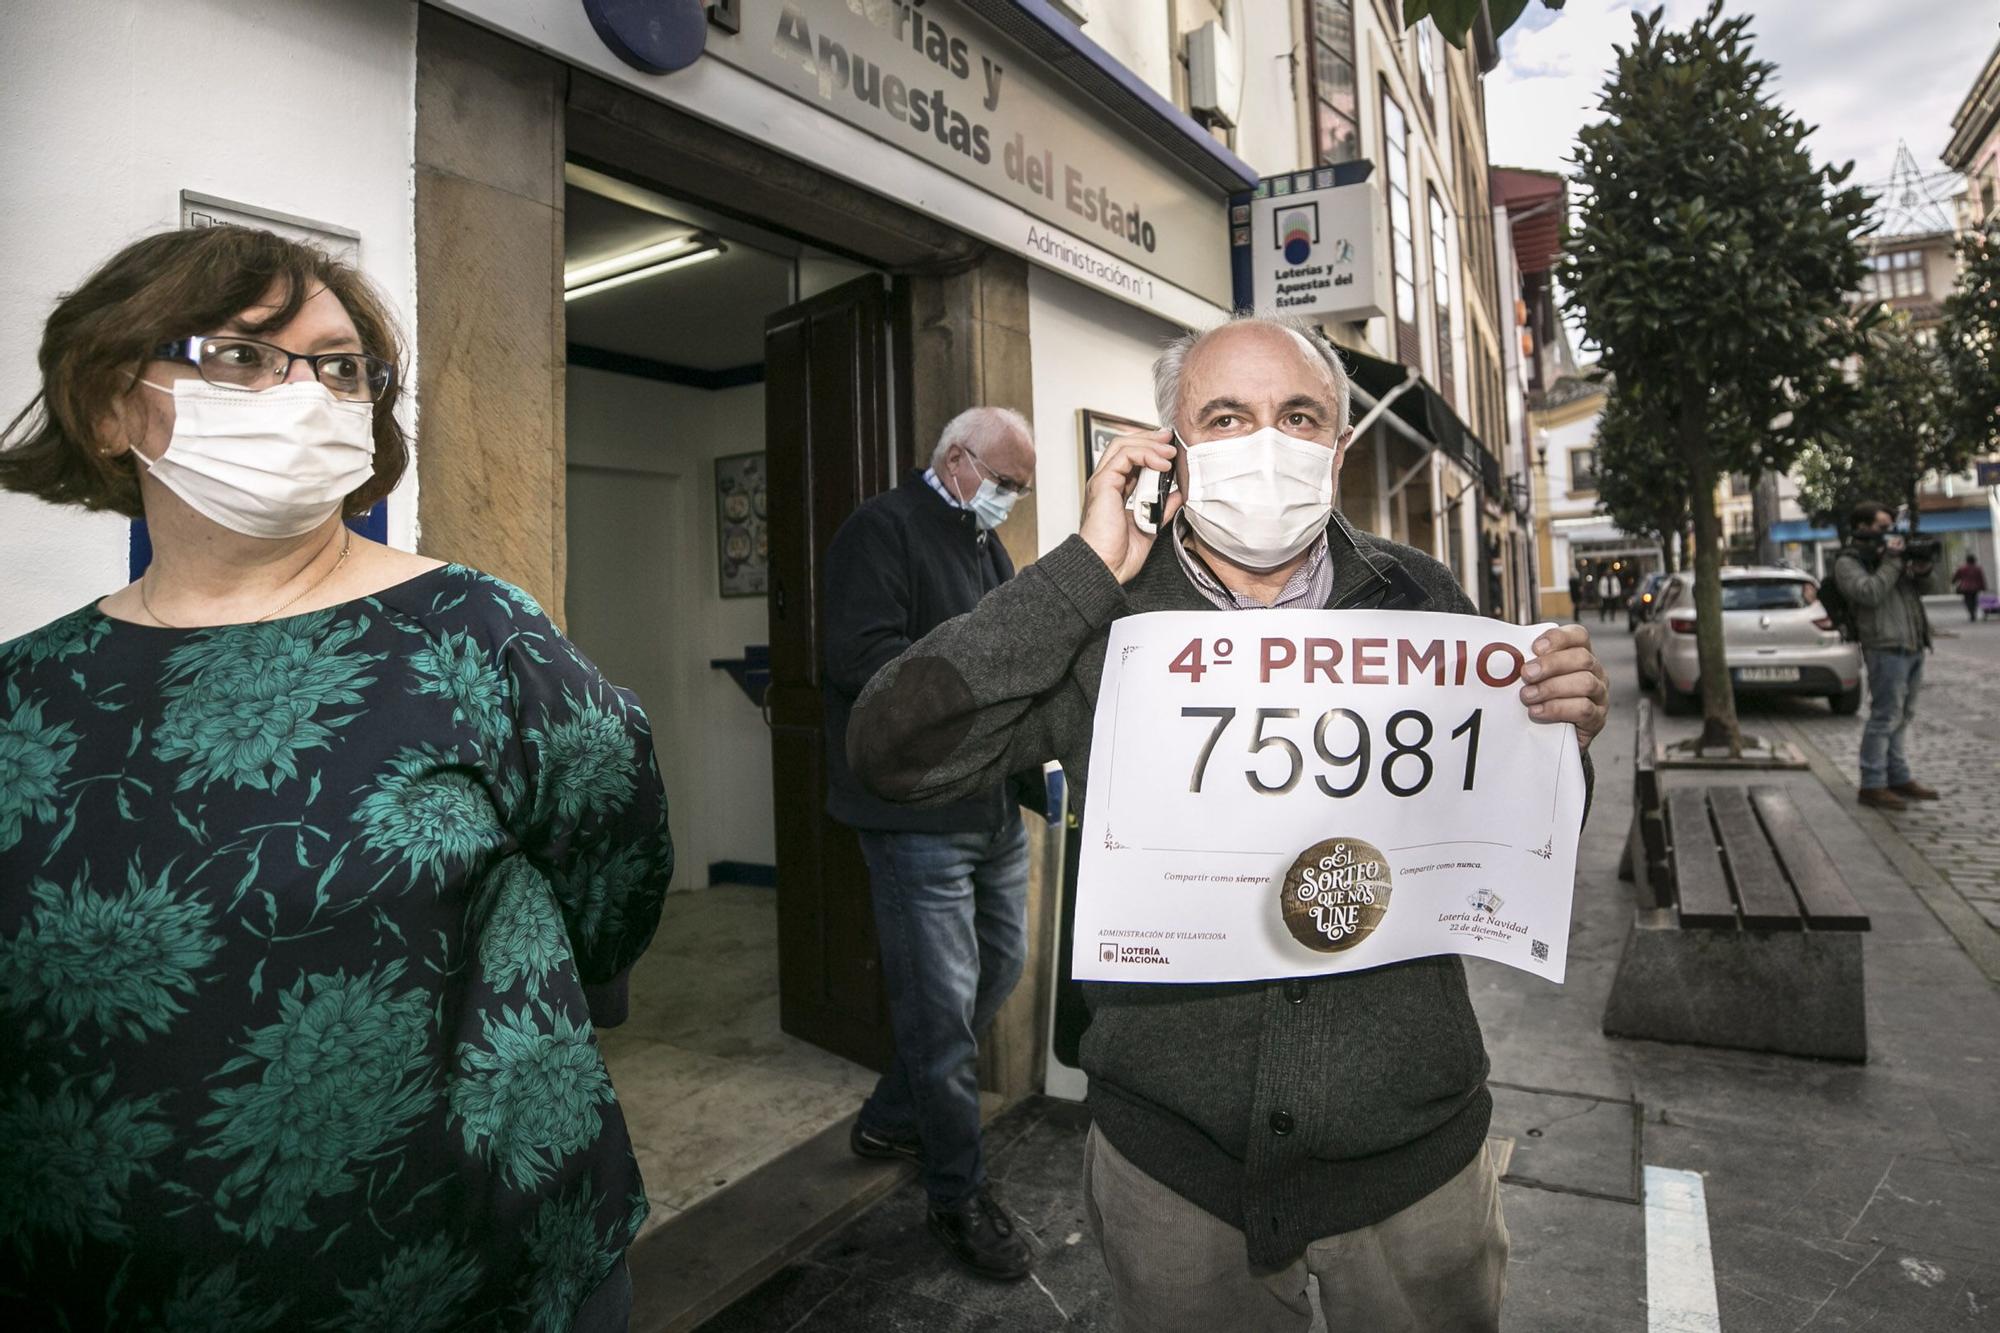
pixel 1441 292
pixel 1335 96
pixel 1582 470
pixel 1402 227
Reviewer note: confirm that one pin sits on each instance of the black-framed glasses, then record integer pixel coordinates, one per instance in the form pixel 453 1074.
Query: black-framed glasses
pixel 1007 485
pixel 245 363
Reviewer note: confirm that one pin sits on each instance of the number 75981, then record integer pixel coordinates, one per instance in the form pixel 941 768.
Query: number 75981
pixel 1355 759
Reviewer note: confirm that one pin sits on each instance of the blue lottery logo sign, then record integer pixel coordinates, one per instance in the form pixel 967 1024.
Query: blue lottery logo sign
pixel 1297 231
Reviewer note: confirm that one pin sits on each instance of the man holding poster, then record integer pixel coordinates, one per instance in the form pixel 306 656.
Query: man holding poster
pixel 1310 1099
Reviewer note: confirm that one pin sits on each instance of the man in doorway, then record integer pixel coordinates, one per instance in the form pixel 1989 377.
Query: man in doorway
pixel 1968 581
pixel 1244 1137
pixel 949 882
pixel 1885 585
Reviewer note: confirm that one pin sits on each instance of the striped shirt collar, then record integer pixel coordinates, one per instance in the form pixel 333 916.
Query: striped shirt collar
pixel 1310 586
pixel 937 484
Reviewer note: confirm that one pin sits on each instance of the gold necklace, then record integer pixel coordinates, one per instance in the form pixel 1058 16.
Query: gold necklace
pixel 346 541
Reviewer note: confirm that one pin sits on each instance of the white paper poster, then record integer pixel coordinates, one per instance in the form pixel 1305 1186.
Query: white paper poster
pixel 1295 793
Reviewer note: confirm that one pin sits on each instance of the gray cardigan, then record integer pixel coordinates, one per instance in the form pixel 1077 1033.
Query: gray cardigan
pixel 1290 1110
pixel 1887 599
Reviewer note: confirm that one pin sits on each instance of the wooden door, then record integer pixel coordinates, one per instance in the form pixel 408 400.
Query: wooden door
pixel 830 445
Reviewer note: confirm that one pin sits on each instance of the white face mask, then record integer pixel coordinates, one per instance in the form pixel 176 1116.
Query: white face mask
pixel 1259 499
pixel 990 504
pixel 267 463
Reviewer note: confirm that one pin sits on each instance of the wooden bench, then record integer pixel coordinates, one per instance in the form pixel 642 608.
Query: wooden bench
pixel 1746 935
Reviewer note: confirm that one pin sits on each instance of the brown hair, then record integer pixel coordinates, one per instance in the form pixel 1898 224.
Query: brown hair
pixel 176 284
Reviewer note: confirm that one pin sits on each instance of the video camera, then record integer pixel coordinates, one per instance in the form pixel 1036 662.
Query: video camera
pixel 1917 550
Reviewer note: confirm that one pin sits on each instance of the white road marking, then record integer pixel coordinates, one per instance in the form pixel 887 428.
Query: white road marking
pixel 1036 1278
pixel 1680 1272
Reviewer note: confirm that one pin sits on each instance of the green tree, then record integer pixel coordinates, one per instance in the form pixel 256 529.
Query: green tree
pixel 1970 341
pixel 1892 427
pixel 1711 267
pixel 1455 18
pixel 1639 484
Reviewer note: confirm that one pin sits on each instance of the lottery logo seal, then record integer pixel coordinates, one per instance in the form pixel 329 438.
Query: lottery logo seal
pixel 1335 894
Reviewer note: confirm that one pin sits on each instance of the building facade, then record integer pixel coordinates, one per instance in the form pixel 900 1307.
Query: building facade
pixel 1914 274
pixel 1412 107
pixel 1974 148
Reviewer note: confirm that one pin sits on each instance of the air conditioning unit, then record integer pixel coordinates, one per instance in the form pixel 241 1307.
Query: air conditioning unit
pixel 1215 76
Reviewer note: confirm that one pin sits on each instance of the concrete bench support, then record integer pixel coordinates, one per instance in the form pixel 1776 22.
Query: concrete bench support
pixel 1793 992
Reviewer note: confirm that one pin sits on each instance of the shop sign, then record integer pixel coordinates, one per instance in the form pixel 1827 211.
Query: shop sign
pixel 935 82
pixel 964 125
pixel 1313 248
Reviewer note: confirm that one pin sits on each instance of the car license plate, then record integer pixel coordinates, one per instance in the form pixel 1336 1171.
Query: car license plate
pixel 1772 674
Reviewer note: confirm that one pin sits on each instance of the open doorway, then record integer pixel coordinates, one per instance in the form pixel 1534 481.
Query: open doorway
pixel 670 590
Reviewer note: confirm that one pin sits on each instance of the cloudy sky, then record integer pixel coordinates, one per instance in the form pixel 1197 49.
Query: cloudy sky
pixel 1867 72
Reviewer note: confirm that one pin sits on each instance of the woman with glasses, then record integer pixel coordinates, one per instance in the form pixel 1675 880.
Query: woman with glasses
pixel 309 850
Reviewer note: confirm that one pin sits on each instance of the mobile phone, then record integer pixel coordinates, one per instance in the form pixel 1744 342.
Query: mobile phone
pixel 1148 500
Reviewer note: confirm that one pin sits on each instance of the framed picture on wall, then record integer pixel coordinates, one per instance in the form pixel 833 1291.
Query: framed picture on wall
pixel 1099 430
pixel 742 511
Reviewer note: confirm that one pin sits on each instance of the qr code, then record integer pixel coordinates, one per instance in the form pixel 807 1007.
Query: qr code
pixel 1540 950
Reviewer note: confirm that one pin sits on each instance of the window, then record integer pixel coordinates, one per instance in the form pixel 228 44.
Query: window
pixel 1335 98
pixel 1898 273
pixel 1765 594
pixel 1441 292
pixel 1475 209
pixel 1425 37
pixel 1402 227
pixel 1582 470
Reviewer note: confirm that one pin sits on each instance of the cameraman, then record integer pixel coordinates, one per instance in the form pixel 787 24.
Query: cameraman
pixel 1882 578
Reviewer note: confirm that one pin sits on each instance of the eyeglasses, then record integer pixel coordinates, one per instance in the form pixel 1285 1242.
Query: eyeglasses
pixel 245 363
pixel 1007 485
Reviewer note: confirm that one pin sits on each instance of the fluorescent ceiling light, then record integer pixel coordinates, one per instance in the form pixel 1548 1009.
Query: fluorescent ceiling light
pixel 640 274
pixel 620 271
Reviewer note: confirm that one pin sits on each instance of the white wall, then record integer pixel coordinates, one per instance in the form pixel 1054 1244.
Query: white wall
pixel 714 751
pixel 1089 351
pixel 1271 35
pixel 1136 35
pixel 107 107
pixel 1559 440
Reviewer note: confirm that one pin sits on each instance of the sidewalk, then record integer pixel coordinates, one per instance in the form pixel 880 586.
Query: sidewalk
pixel 1838 1196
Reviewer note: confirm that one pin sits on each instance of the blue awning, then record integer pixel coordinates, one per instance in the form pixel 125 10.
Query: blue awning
pixel 1939 520
pixel 1801 530
pixel 1956 520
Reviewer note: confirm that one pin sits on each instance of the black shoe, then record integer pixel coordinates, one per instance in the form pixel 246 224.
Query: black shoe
pixel 870 1143
pixel 979 1234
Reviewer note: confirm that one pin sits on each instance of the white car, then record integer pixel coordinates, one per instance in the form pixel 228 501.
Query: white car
pixel 1778 640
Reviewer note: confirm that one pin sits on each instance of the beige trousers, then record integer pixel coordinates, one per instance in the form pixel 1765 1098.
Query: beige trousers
pixel 1439 1266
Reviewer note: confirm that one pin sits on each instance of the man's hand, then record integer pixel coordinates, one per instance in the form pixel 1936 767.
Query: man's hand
pixel 1110 529
pixel 1566 683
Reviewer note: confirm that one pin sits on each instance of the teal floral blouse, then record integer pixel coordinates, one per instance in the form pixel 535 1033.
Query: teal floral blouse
pixel 295 924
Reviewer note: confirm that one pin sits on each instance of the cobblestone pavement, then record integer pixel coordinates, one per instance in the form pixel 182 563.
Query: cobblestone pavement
pixel 1954 745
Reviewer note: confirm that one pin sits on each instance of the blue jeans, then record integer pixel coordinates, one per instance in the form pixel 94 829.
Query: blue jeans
pixel 1893 680
pixel 951 913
